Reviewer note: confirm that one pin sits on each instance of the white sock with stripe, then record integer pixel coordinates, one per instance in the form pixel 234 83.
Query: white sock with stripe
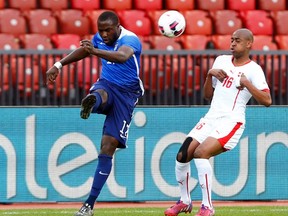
pixel 182 171
pixel 205 180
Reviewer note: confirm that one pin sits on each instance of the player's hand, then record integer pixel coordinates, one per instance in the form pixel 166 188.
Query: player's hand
pixel 51 75
pixel 87 45
pixel 218 73
pixel 243 80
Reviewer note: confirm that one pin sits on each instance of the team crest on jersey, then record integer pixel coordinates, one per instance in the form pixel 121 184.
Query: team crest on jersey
pixel 239 74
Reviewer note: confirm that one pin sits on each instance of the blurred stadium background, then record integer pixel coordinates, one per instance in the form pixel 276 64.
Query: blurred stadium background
pixel 36 33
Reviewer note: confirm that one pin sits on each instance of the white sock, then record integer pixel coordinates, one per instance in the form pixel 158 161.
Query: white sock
pixel 182 171
pixel 205 180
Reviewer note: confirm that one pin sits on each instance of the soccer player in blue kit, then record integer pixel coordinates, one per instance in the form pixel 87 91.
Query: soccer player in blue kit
pixel 115 94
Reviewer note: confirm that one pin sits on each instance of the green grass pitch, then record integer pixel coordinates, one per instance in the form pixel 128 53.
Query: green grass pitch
pixel 220 211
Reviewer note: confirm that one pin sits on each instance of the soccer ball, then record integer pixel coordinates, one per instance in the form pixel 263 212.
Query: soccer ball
pixel 171 24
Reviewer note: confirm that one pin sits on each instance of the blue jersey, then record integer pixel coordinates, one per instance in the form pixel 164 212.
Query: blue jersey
pixel 125 75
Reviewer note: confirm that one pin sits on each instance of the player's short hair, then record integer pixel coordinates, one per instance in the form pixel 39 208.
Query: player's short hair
pixel 109 15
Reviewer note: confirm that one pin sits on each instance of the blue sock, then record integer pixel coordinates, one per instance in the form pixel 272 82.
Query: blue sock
pixel 98 101
pixel 102 172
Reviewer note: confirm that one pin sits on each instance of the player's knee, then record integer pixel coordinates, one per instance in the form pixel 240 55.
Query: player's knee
pixel 102 94
pixel 182 154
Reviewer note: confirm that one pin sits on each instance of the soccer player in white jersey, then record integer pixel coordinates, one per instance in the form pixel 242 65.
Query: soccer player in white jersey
pixel 115 94
pixel 231 82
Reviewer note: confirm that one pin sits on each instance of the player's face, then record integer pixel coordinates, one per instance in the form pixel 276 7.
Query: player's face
pixel 108 31
pixel 239 45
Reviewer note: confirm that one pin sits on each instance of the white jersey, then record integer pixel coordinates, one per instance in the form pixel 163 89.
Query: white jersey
pixel 227 99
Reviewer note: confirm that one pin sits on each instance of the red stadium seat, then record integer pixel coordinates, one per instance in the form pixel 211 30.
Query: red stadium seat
pixel 241 5
pixel 85 5
pixel 264 42
pixel 210 4
pixel 88 37
pixel 198 22
pixel 145 42
pixel 272 5
pixel 136 21
pixel 41 21
pixel 279 18
pixel 36 41
pixel 164 43
pixel 148 4
pixel 25 73
pixel 66 41
pixel 180 5
pixel 258 21
pixel 2 4
pixel 117 4
pixel 146 45
pixel 226 21
pixel 72 21
pixel 12 22
pixel 93 16
pixel 154 16
pixel 194 42
pixel 198 42
pixel 282 41
pixel 54 5
pixel 88 71
pixel 8 42
pixel 22 4
pixel 221 42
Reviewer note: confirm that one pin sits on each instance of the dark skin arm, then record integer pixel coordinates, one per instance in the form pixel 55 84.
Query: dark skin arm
pixel 86 48
pixel 76 55
pixel 208 89
pixel 262 97
pixel 119 56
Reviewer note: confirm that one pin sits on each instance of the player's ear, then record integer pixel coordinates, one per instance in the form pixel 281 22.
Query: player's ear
pixel 249 44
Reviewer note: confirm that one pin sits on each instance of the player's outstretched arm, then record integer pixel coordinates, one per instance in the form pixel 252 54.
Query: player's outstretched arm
pixel 74 56
pixel 119 56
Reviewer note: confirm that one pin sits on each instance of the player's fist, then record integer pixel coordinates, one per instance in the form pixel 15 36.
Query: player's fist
pixel 87 45
pixel 51 75
pixel 218 73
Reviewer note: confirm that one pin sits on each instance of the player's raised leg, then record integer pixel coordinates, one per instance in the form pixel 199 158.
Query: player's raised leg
pixel 87 105
pixel 90 102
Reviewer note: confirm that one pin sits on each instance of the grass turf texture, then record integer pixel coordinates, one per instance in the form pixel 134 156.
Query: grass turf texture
pixel 220 211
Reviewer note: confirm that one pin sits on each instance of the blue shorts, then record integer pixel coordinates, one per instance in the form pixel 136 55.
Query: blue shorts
pixel 118 110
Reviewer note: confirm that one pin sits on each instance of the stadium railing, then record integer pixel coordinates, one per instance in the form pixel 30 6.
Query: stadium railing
pixel 169 77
